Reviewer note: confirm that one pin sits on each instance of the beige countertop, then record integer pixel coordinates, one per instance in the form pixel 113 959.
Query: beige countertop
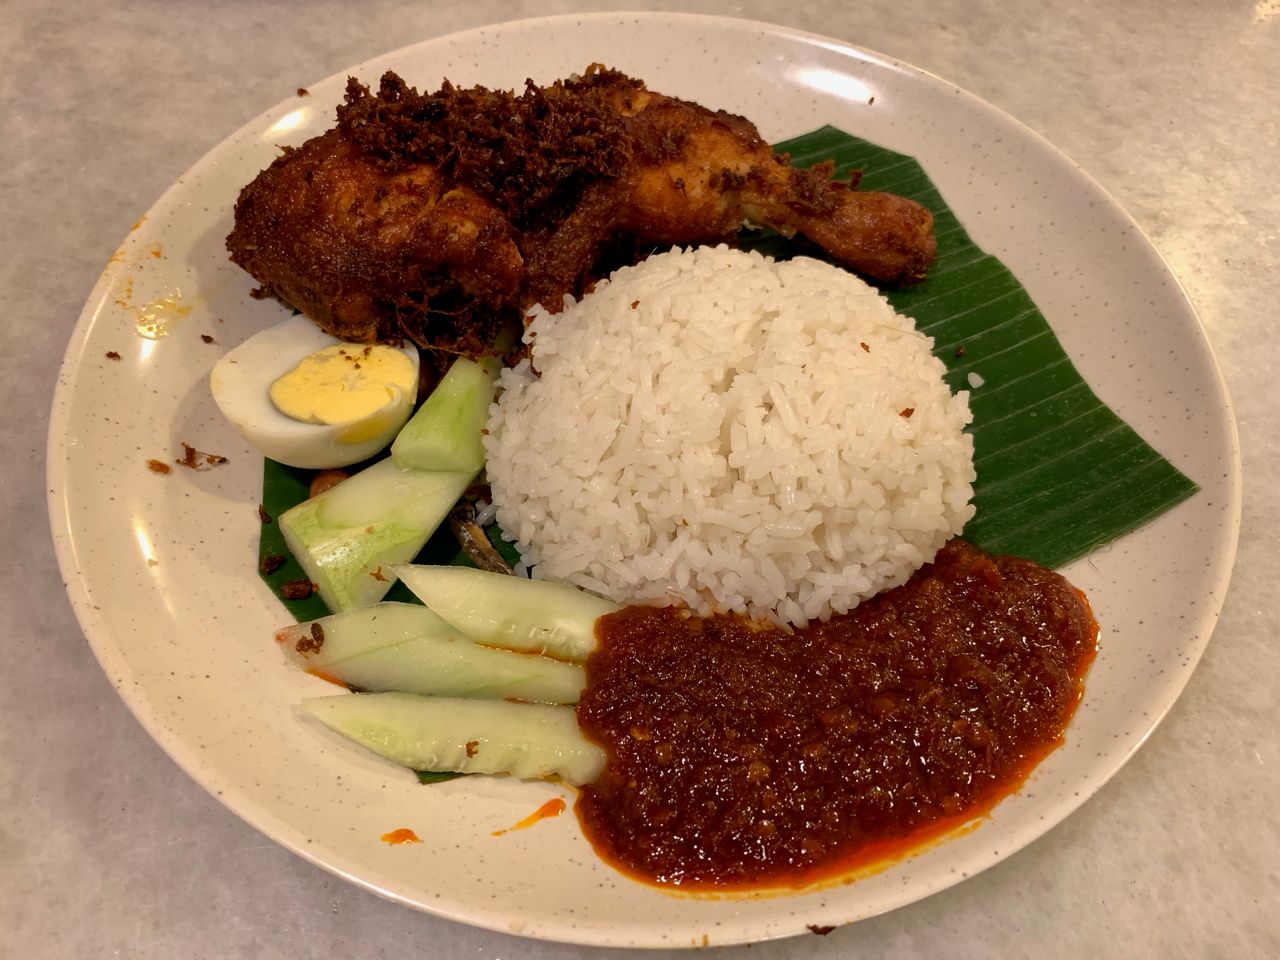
pixel 109 850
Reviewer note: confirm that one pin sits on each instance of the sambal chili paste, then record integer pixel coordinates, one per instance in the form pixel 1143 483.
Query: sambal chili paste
pixel 744 755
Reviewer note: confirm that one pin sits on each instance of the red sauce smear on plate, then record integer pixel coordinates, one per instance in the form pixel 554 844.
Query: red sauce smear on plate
pixel 552 808
pixel 741 755
pixel 403 835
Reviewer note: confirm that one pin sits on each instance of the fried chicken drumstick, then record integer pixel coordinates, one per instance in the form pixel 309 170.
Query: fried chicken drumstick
pixel 437 215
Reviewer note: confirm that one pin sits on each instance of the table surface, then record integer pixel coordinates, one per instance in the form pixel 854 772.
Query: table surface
pixel 109 850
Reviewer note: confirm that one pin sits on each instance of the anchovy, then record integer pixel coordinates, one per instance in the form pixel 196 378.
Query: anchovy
pixel 473 540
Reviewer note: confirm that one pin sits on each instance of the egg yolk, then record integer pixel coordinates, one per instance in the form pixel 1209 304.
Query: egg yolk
pixel 344 383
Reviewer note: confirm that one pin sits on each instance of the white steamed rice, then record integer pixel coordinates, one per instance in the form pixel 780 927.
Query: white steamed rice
pixel 716 428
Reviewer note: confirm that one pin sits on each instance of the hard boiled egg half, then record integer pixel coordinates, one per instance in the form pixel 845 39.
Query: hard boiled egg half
pixel 309 400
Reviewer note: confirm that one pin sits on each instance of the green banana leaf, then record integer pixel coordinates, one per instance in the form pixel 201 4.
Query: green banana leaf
pixel 1059 474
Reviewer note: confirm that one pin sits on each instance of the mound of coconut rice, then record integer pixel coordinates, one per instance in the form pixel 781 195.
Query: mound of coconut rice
pixel 716 428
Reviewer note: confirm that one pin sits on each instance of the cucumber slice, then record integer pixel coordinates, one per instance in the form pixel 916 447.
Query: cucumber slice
pixel 456 667
pixel 318 644
pixel 445 433
pixel 525 740
pixel 348 538
pixel 407 648
pixel 539 616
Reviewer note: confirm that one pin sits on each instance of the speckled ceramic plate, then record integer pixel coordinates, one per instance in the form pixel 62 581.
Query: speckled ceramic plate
pixel 160 567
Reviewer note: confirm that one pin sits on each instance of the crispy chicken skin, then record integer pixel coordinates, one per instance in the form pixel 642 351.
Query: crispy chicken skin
pixel 436 215
pixel 354 244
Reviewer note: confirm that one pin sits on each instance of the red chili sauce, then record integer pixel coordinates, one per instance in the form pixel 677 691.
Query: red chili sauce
pixel 742 755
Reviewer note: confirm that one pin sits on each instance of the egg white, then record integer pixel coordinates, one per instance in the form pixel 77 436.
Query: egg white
pixel 241 383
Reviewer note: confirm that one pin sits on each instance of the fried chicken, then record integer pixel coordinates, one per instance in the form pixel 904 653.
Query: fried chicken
pixel 697 176
pixel 439 216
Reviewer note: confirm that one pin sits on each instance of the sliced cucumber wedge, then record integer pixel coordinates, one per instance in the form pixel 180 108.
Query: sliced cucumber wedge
pixel 318 644
pixel 349 538
pixel 405 647
pixel 525 740
pixel 512 612
pixel 445 433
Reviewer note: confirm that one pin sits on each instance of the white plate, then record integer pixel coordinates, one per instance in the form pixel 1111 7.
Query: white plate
pixel 159 568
